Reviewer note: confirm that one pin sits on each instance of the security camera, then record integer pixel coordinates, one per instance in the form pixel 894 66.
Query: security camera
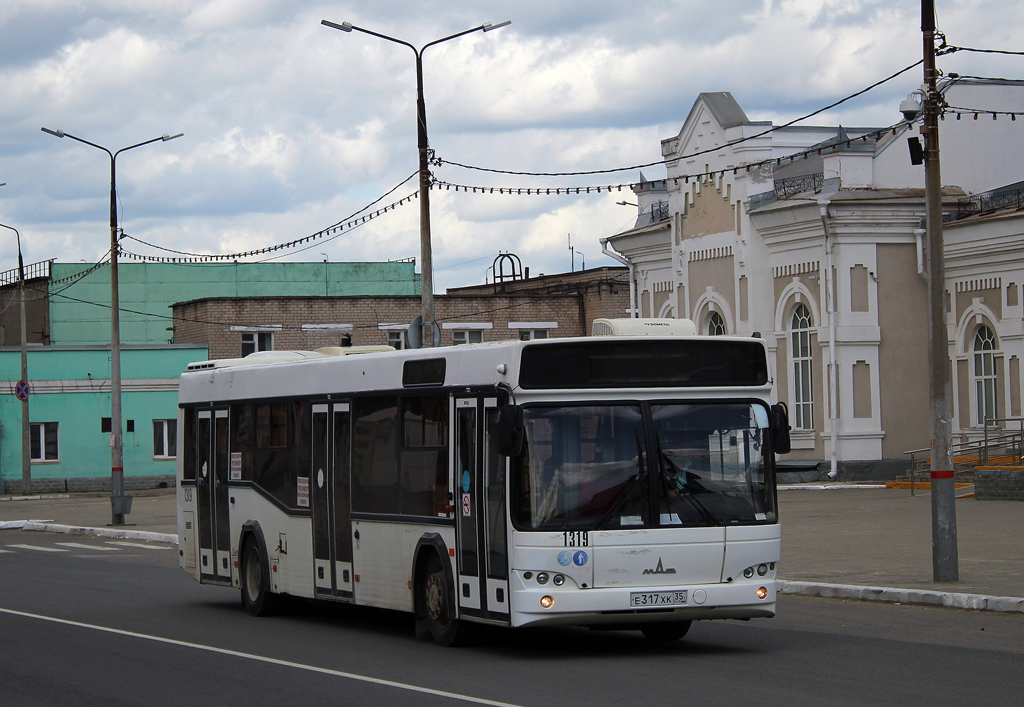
pixel 911 106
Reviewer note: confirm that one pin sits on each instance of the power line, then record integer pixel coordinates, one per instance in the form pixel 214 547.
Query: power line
pixel 439 161
pixel 350 222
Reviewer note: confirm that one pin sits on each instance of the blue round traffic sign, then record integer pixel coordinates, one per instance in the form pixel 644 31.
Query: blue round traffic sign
pixel 22 390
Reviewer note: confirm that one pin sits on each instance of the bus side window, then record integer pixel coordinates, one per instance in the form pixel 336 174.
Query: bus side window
pixel 272 456
pixel 375 455
pixel 188 466
pixel 241 437
pixel 424 460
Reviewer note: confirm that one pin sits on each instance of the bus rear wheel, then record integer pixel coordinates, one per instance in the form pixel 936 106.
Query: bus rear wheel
pixel 671 631
pixel 445 629
pixel 256 595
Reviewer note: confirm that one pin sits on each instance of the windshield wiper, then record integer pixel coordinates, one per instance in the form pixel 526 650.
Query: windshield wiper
pixel 627 488
pixel 702 510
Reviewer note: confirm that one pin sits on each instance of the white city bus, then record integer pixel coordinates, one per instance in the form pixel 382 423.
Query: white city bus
pixel 615 481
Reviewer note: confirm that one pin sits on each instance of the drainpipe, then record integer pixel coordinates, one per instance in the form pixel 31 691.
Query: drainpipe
pixel 830 309
pixel 632 275
pixel 919 238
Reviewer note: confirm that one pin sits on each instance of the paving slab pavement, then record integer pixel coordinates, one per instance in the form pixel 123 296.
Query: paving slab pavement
pixel 866 543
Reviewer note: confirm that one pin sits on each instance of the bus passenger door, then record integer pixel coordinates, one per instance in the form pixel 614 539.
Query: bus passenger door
pixel 212 495
pixel 332 543
pixel 482 585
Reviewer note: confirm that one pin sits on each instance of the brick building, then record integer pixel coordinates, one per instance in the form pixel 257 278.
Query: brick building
pixel 546 306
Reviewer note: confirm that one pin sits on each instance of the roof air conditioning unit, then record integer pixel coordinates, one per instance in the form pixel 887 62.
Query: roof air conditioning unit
pixel 643 327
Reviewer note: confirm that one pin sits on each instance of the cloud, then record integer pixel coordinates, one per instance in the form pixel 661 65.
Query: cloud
pixel 291 126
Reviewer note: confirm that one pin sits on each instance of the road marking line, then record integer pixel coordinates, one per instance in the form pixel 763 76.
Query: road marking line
pixel 127 544
pixel 264 659
pixel 90 547
pixel 40 548
pixel 10 551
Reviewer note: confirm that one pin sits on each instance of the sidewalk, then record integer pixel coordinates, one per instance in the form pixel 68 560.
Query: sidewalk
pixel 857 543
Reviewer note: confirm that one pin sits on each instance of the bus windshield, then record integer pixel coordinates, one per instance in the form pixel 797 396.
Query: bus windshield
pixel 588 467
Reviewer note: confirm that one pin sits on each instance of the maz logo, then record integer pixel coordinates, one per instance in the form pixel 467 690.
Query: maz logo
pixel 660 569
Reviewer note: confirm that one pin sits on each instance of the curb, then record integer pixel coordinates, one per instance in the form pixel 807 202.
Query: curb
pixel 952 600
pixel 829 487
pixel 38 497
pixel 147 535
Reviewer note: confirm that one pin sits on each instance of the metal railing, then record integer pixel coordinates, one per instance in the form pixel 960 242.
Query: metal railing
pixel 988 202
pixel 791 186
pixel 998 446
pixel 32 270
pixel 657 212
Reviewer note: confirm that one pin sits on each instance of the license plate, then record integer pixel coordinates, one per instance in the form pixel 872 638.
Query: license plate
pixel 657 598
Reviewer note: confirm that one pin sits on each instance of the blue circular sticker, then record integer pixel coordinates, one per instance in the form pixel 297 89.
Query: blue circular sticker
pixel 564 558
pixel 465 482
pixel 580 558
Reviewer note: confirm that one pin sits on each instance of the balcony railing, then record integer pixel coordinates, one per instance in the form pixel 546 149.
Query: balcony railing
pixel 32 271
pixel 791 186
pixel 657 212
pixel 996 200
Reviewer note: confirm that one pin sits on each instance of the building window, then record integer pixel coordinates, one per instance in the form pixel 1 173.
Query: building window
pixel 398 339
pixel 530 334
pixel 165 438
pixel 257 341
pixel 471 336
pixel 44 441
pixel 985 373
pixel 800 353
pixel 105 424
pixel 716 325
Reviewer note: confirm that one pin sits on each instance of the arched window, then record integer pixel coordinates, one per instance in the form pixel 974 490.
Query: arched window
pixel 716 324
pixel 800 355
pixel 985 373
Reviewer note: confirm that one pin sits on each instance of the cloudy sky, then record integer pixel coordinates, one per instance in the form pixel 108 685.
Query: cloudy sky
pixel 291 126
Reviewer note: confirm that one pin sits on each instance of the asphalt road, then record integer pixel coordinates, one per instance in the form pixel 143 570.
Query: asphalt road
pixel 123 625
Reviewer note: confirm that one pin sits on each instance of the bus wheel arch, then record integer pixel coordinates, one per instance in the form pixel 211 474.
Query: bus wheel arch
pixel 254 573
pixel 434 599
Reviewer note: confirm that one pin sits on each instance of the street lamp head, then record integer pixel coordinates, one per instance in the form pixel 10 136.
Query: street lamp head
pixel 58 133
pixel 488 26
pixel 165 138
pixel 344 26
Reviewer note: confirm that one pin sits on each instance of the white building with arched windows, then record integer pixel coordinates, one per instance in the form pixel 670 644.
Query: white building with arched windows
pixel 823 255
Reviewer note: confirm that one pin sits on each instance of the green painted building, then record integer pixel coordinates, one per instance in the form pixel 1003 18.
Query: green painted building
pixel 79 311
pixel 69 412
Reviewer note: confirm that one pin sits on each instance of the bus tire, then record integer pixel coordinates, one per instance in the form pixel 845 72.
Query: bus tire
pixel 256 595
pixel 445 629
pixel 664 632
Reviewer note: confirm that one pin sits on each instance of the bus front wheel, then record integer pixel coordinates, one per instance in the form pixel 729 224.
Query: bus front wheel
pixel 256 595
pixel 666 631
pixel 445 629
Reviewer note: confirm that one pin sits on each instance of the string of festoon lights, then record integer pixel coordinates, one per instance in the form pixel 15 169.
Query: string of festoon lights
pixel 181 256
pixel 79 275
pixel 983 112
pixel 697 177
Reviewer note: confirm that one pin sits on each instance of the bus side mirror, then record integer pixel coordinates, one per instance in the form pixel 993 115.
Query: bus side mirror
pixel 511 428
pixel 780 429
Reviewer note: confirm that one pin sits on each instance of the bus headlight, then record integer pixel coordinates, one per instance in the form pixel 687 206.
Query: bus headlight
pixel 749 572
pixel 558 580
pixel 762 570
pixel 761 593
pixel 542 578
pixel 547 602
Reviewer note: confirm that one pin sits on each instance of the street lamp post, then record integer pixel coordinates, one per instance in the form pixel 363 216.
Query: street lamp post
pixel 26 441
pixel 119 503
pixel 426 259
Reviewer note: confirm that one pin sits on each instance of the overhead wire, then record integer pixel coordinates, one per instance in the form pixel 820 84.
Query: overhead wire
pixel 440 161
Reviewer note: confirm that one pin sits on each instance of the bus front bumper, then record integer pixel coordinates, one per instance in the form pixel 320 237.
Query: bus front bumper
pixel 608 606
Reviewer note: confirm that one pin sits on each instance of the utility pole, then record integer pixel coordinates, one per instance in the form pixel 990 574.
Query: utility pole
pixel 945 562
